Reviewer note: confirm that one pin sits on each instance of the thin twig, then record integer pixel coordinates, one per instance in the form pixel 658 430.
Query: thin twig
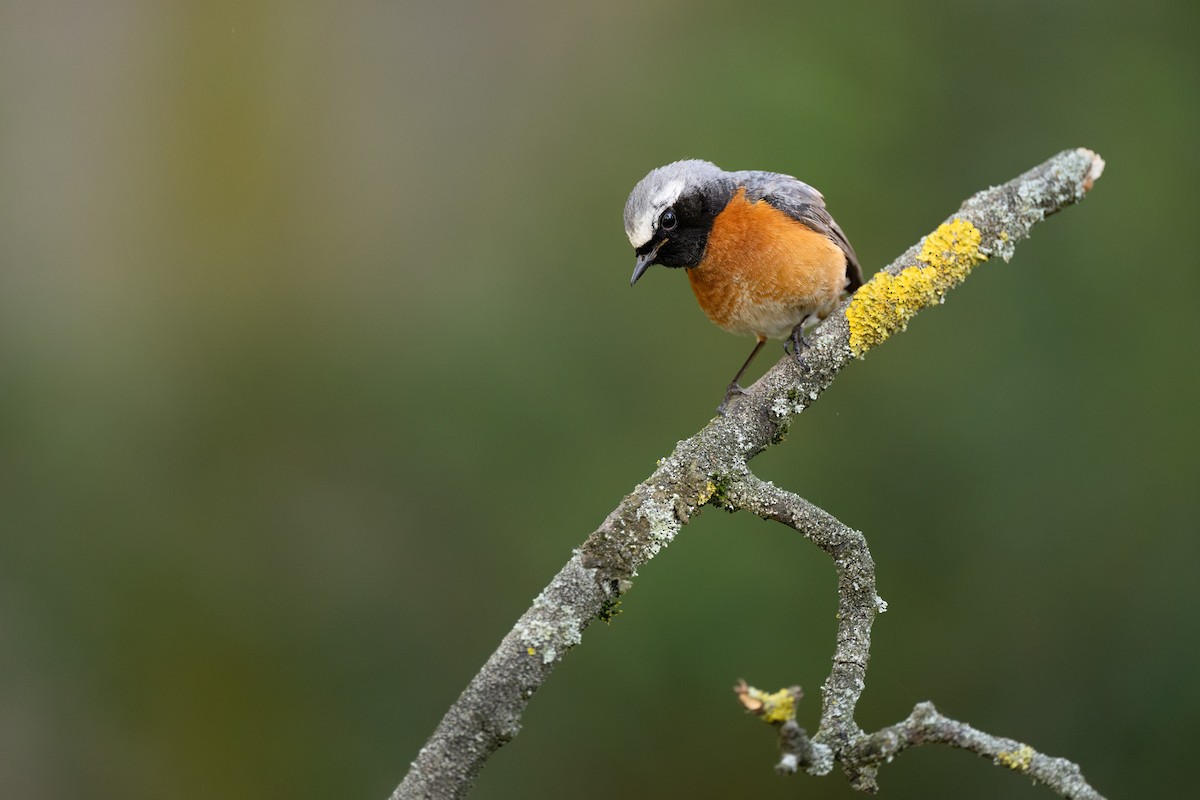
pixel 862 754
pixel 926 726
pixel 857 601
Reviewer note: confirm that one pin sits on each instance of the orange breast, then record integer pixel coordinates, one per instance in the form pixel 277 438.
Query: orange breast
pixel 763 272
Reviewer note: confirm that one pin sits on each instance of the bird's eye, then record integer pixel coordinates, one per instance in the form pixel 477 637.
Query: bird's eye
pixel 668 220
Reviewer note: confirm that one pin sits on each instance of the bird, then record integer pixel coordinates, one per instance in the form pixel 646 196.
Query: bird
pixel 761 252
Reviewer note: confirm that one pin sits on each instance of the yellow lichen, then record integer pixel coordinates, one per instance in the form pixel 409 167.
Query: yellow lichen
pixel 706 493
pixel 887 302
pixel 1018 759
pixel 779 707
pixel 773 707
pixel 531 651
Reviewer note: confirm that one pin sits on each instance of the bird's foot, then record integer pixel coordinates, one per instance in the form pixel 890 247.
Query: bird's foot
pixel 798 344
pixel 733 391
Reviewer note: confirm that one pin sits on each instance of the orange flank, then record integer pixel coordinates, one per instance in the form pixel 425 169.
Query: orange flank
pixel 764 272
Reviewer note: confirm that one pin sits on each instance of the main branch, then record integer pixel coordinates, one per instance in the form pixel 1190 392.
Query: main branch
pixel 711 468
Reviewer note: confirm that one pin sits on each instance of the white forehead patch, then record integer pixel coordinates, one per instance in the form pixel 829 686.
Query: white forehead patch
pixel 668 194
pixel 642 225
pixel 641 232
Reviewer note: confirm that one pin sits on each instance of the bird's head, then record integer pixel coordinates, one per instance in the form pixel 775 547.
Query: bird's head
pixel 669 213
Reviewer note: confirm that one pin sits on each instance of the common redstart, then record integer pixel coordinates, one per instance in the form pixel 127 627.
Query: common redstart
pixel 762 253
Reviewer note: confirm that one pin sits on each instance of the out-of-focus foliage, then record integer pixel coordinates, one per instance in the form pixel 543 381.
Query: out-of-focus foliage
pixel 318 356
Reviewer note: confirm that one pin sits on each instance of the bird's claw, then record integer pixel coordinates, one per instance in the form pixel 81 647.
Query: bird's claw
pixel 731 392
pixel 798 345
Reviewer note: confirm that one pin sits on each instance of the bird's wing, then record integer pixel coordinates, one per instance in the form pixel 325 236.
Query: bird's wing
pixel 805 204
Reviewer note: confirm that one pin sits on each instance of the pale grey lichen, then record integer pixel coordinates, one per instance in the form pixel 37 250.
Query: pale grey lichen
pixel 550 630
pixel 662 521
pixel 820 759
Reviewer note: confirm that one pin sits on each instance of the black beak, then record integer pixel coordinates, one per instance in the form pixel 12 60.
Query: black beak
pixel 644 262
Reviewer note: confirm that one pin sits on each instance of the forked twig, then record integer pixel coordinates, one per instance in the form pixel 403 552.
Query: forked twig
pixel 838 737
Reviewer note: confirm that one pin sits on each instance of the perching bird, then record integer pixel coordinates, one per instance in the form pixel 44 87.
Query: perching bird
pixel 761 252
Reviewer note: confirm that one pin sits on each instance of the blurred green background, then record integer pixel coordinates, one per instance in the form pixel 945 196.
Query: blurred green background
pixel 318 356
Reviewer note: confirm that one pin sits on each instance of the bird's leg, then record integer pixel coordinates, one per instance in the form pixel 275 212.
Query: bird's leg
pixel 735 388
pixel 799 345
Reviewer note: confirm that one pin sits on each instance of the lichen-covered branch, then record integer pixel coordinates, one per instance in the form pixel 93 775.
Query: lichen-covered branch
pixel 707 467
